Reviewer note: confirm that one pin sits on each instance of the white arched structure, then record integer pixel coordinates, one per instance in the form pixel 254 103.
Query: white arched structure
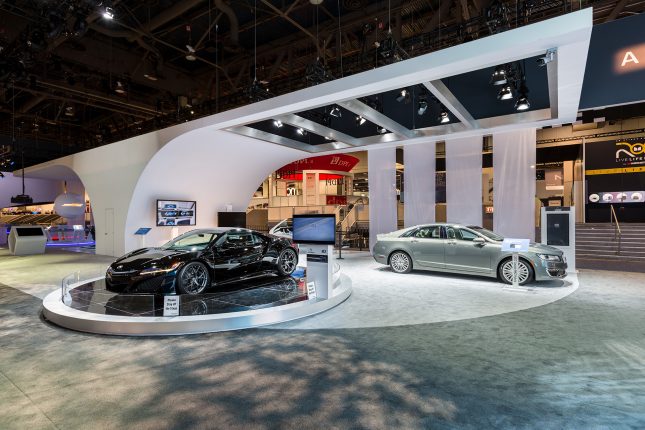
pixel 213 167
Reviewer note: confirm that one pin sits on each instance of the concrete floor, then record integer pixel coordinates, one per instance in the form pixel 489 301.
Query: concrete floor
pixel 578 363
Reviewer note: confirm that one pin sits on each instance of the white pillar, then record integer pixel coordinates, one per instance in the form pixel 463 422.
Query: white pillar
pixel 464 180
pixel 514 183
pixel 419 183
pixel 381 167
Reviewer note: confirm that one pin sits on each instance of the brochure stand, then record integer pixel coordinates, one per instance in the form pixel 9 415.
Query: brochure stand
pixel 141 232
pixel 515 246
pixel 26 240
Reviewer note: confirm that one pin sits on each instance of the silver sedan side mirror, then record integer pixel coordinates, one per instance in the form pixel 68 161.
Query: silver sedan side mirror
pixel 479 240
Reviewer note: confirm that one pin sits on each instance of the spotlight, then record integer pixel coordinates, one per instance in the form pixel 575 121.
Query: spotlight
pixel 336 112
pixel 403 95
pixel 443 116
pixel 119 89
pixel 423 105
pixel 381 130
pixel 360 120
pixel 192 112
pixel 69 111
pixel 277 123
pixel 548 57
pixel 190 53
pixel 522 103
pixel 108 13
pixel 506 93
pixel 152 76
pixel 499 76
pixel 301 131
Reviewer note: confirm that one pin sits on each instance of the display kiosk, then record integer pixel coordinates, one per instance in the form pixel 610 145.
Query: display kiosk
pixel 316 234
pixel 559 230
pixel 27 240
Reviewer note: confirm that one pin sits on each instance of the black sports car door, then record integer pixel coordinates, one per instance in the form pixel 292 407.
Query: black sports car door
pixel 237 256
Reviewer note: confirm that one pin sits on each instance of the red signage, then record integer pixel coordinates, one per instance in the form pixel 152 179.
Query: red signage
pixel 338 162
pixel 336 200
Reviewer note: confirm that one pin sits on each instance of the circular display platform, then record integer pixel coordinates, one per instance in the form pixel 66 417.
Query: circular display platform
pixel 89 307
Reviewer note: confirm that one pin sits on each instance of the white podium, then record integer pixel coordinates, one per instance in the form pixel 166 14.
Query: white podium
pixel 320 263
pixel 559 230
pixel 27 240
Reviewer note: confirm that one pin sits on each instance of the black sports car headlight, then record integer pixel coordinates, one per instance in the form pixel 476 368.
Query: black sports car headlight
pixel 160 270
pixel 549 257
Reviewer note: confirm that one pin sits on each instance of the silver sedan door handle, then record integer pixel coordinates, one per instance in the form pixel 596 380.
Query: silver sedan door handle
pixel 414 241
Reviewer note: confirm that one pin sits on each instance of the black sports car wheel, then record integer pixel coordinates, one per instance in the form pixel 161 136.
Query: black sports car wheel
pixel 193 278
pixel 400 262
pixel 287 262
pixel 524 272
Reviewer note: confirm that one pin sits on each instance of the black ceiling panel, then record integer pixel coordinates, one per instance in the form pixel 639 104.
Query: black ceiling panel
pixel 346 123
pixel 289 132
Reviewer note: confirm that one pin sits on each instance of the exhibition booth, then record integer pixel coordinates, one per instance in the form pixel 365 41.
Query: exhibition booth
pixel 153 188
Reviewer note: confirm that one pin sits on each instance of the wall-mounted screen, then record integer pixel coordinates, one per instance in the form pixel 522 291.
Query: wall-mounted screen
pixel 315 229
pixel 176 212
pixel 231 219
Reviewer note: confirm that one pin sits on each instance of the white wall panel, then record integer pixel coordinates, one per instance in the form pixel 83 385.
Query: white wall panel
pixel 382 191
pixel 419 183
pixel 464 180
pixel 514 183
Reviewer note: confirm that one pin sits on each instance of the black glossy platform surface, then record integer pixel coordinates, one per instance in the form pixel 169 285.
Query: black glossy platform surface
pixel 259 293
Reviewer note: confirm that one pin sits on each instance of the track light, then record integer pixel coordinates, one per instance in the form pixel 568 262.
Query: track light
pixel 277 123
pixel 506 93
pixel 360 120
pixel 499 76
pixel 443 116
pixel 423 105
pixel 119 89
pixel 301 131
pixel 336 112
pixel 402 96
pixel 522 103
pixel 108 13
pixel 381 130
pixel 190 53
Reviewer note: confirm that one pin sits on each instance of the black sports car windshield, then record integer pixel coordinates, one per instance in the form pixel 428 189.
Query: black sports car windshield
pixel 489 234
pixel 191 241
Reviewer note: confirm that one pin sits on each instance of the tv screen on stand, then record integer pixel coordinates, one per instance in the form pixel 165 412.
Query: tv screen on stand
pixel 315 229
pixel 176 213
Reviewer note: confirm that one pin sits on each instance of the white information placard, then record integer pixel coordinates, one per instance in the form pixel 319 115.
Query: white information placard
pixel 311 290
pixel 171 306
pixel 515 245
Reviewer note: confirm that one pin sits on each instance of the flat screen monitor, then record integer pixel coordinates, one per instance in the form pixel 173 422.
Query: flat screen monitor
pixel 314 229
pixel 231 219
pixel 29 231
pixel 176 212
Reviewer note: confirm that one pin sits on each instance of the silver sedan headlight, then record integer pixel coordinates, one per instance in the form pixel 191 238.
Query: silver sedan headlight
pixel 549 257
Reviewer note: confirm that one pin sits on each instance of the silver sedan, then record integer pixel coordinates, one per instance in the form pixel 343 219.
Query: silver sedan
pixel 465 249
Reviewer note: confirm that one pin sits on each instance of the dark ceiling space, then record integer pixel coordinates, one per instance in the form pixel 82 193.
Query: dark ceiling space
pixel 72 80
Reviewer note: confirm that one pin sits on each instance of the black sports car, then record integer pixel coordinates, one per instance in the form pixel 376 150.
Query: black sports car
pixel 192 262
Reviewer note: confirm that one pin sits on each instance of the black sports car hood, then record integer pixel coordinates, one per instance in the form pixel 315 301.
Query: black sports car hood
pixel 142 258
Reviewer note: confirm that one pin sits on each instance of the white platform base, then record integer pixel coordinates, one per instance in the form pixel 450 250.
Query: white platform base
pixel 60 314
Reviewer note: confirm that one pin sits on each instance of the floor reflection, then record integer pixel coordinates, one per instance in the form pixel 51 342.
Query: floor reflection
pixel 243 296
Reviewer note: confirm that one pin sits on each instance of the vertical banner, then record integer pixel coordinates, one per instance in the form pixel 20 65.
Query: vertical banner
pixel 381 167
pixel 514 183
pixel 419 179
pixel 464 180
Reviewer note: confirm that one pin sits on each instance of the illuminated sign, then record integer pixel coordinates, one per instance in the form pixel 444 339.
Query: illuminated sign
pixel 630 59
pixel 630 153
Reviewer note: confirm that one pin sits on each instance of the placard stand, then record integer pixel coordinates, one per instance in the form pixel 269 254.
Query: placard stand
pixel 516 246
pixel 559 231
pixel 319 268
pixel 141 232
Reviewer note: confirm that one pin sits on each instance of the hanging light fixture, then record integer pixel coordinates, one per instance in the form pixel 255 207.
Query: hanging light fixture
pixel 381 130
pixel 120 88
pixel 108 13
pixel 499 76
pixel 444 117
pixel 301 131
pixel 277 123
pixel 423 106
pixel 522 103
pixel 360 120
pixel 506 93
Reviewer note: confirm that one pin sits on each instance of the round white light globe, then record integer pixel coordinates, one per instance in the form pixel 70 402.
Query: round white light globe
pixel 69 205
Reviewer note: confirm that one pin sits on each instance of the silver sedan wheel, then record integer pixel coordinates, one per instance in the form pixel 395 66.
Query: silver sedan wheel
pixel 194 278
pixel 523 272
pixel 400 262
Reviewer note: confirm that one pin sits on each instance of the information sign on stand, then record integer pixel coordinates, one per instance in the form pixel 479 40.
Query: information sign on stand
pixel 171 306
pixel 311 290
pixel 141 232
pixel 515 246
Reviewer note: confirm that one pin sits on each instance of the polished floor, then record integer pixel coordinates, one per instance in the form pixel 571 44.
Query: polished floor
pixel 575 363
